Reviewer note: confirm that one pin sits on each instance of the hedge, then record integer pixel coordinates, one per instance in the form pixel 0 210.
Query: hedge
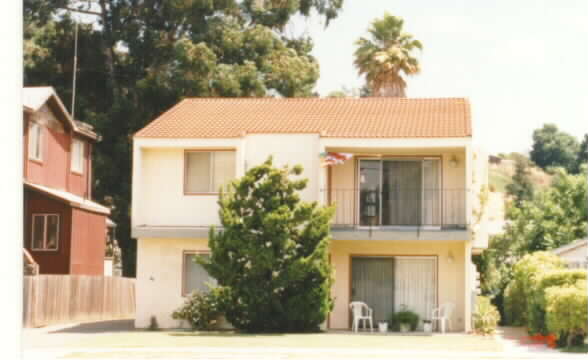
pixel 521 288
pixel 567 311
pixel 537 302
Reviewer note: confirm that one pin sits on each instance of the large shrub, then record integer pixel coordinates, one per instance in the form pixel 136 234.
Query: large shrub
pixel 537 302
pixel 202 309
pixel 272 252
pixel 486 316
pixel 567 310
pixel 522 286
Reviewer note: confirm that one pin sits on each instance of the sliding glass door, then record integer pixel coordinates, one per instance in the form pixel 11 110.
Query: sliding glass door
pixel 399 192
pixel 389 284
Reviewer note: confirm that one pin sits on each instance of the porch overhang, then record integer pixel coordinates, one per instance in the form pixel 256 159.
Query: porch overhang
pixel 400 234
pixel 170 232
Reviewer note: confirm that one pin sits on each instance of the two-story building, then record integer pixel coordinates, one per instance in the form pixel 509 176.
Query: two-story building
pixel 64 230
pixel 406 187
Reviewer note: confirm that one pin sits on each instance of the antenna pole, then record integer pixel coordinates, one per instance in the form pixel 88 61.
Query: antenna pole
pixel 75 70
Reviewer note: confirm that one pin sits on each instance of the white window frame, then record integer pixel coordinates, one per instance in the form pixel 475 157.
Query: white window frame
pixel 38 137
pixel 185 255
pixel 210 191
pixel 44 216
pixel 77 168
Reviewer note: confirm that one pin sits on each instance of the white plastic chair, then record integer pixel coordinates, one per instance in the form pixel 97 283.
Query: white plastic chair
pixel 358 313
pixel 442 314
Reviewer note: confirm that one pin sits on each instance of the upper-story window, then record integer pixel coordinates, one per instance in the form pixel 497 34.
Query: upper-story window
pixel 207 171
pixel 35 141
pixel 77 156
pixel 45 234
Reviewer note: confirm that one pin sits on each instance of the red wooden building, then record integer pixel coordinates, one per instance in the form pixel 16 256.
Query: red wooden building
pixel 64 230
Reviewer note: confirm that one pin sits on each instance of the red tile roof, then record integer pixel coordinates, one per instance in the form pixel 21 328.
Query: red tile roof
pixel 374 117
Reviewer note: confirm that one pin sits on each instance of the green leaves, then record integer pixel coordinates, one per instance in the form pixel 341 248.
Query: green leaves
pixel 140 58
pixel 272 252
pixel 555 148
pixel 387 54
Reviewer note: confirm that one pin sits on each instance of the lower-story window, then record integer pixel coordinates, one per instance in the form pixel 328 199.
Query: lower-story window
pixel 195 277
pixel 45 232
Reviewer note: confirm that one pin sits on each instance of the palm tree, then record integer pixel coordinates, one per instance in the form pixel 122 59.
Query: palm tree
pixel 388 53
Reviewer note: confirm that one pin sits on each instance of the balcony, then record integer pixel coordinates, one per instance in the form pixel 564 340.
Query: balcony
pixel 398 210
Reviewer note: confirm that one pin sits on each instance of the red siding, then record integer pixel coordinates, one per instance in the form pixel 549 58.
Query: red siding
pixel 88 242
pixel 53 169
pixel 50 262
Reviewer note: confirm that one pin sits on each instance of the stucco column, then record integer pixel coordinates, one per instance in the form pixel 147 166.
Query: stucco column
pixel 322 176
pixel 468 183
pixel 137 217
pixel 468 289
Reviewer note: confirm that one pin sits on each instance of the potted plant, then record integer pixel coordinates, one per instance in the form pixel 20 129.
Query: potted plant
pixel 404 320
pixel 427 326
pixel 383 326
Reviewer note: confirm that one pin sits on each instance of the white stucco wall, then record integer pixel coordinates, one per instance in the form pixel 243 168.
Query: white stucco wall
pixel 159 279
pixel 158 174
pixel 292 149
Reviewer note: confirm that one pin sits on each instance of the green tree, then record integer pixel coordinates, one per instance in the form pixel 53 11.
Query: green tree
pixel 386 55
pixel 521 187
pixel 272 252
pixel 582 157
pixel 138 58
pixel 554 148
pixel 553 217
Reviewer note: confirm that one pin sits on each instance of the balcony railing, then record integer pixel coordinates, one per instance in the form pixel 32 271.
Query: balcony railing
pixel 398 207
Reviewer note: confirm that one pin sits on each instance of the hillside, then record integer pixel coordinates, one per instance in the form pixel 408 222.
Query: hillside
pixel 499 176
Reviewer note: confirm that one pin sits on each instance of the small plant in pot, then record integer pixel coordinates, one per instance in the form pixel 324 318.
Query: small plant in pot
pixel 427 325
pixel 383 326
pixel 404 320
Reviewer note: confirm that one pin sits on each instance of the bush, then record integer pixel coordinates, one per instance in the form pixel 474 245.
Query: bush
pixel 202 309
pixel 514 304
pixel 404 316
pixel 537 303
pixel 272 253
pixel 486 316
pixel 567 311
pixel 521 288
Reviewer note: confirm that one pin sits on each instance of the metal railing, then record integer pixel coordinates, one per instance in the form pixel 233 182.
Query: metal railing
pixel 403 207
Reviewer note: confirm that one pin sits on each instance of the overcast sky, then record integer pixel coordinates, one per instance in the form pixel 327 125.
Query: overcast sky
pixel 521 63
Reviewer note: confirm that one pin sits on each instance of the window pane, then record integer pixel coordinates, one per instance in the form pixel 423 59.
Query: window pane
pixel 38 141
pixel 77 156
pixel 197 172
pixel 38 229
pixel 369 196
pixel 35 141
pixel 195 277
pixel 224 168
pixel 52 231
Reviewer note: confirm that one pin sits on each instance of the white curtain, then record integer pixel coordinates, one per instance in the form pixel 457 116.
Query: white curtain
pixel 415 286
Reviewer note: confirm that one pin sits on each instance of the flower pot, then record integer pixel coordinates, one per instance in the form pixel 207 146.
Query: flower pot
pixel 383 326
pixel 404 328
pixel 427 327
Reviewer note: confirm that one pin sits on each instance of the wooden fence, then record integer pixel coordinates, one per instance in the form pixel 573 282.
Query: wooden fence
pixel 55 299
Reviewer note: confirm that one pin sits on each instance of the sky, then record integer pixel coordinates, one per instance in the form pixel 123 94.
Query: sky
pixel 520 63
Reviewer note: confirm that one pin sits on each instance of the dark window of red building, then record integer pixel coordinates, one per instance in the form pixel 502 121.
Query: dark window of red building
pixel 45 232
